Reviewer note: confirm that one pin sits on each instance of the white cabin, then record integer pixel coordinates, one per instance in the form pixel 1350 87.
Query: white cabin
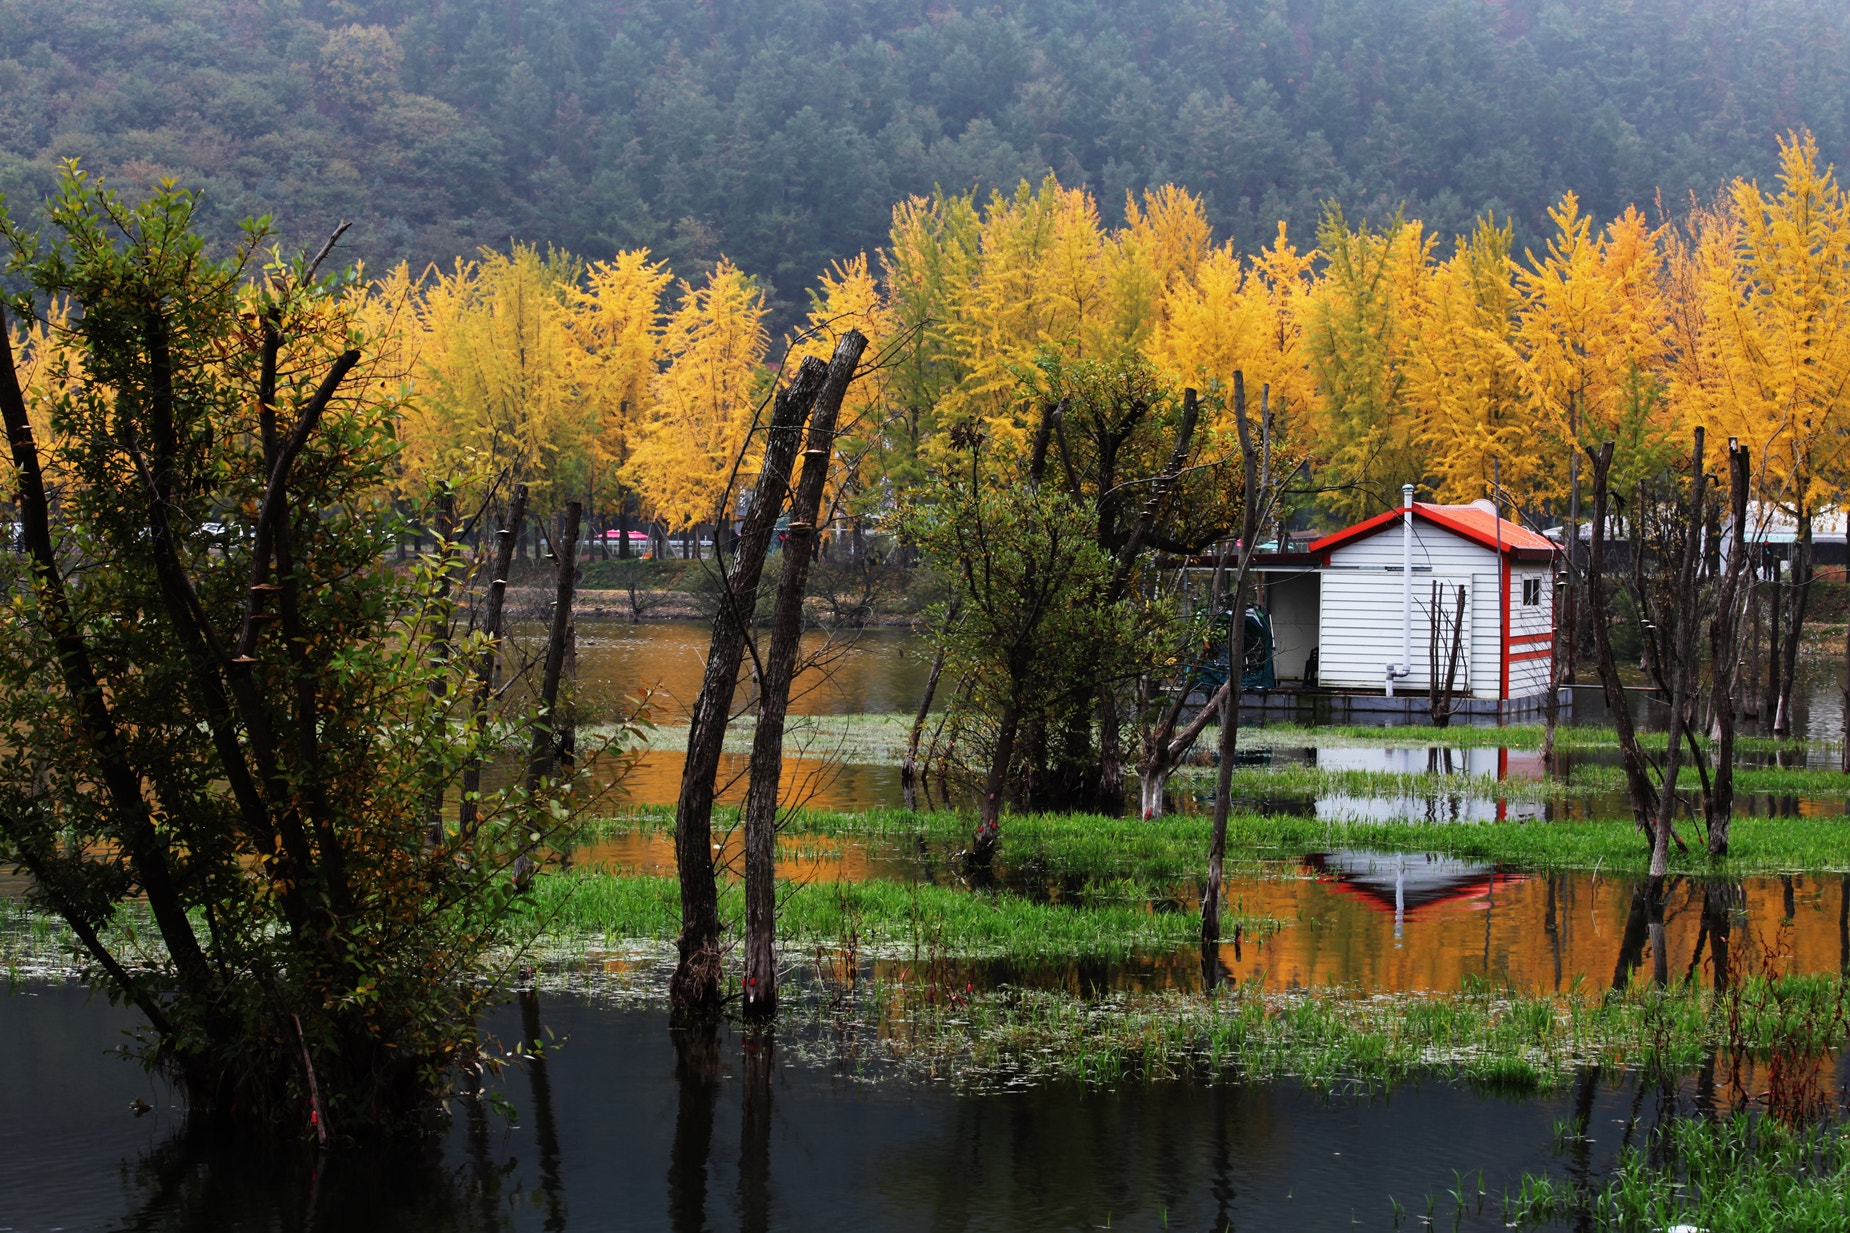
pixel 1344 600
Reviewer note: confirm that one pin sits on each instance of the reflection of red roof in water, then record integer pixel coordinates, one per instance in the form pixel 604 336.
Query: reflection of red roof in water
pixel 1428 885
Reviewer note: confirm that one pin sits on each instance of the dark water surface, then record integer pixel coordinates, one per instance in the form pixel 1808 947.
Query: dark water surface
pixel 617 1132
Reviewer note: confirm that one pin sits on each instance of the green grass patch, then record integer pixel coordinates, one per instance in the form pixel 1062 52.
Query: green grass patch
pixel 1164 850
pixel 1737 1173
pixel 886 918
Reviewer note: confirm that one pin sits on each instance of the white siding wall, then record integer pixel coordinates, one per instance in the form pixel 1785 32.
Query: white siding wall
pixel 1529 677
pixel 1360 628
pixel 1362 603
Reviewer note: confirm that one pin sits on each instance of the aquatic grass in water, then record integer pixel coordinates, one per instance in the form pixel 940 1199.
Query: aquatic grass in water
pixel 1163 851
pixel 1324 1037
pixel 887 918
pixel 1741 1173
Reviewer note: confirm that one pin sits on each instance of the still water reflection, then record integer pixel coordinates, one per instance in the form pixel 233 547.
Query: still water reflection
pixel 850 673
pixel 629 1126
pixel 1380 922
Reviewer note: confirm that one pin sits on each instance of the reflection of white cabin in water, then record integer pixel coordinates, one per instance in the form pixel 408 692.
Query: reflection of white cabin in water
pixel 1344 625
pixel 1410 885
pixel 1471 796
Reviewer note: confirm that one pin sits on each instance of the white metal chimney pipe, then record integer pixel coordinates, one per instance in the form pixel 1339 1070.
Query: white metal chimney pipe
pixel 1406 580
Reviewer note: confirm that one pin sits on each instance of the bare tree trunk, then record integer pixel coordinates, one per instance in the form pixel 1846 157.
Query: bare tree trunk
pixel 1442 683
pixel 623 524
pixel 1752 690
pixel 1255 481
pixel 694 988
pixel 1560 655
pixel 774 688
pixel 989 825
pixel 1168 752
pixel 1795 625
pixel 1725 651
pixel 1682 670
pixel 505 539
pixel 1844 754
pixel 548 722
pixel 1161 752
pixel 908 771
pixel 1637 776
pixel 1769 700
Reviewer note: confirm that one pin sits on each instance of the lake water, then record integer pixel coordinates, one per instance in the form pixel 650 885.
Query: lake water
pixel 618 1129
pixel 626 1125
pixel 883 671
pixel 1378 922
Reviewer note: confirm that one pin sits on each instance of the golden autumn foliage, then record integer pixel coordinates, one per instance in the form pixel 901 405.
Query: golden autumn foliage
pixel 1399 356
pixel 1771 365
pixel 504 387
pixel 697 439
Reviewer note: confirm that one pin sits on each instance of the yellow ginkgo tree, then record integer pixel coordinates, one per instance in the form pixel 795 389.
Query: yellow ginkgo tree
pixel 504 387
pixel 688 459
pixel 616 319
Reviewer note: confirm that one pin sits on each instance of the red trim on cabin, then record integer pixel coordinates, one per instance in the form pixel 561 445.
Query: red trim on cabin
pixel 1466 521
pixel 1545 636
pixel 1503 650
pixel 1544 653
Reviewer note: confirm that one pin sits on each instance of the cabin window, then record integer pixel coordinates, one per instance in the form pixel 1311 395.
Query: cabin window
pixel 1531 592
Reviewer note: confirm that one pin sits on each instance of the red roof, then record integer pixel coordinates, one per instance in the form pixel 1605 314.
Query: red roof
pixel 1473 522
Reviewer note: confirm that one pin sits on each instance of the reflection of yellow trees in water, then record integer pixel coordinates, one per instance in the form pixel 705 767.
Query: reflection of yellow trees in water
pixel 1536 933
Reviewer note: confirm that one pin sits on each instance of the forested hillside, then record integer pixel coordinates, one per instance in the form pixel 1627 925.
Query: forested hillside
pixel 781 132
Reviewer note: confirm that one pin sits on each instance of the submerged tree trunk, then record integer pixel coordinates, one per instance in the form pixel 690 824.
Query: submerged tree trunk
pixel 1769 698
pixel 505 539
pixel 774 688
pixel 989 825
pixel 909 769
pixel 1725 651
pixel 1795 625
pixel 1599 612
pixel 548 722
pixel 694 989
pixel 1255 480
pixel 1683 668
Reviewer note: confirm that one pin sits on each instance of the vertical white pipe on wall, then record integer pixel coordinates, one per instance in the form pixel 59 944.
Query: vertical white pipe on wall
pixel 1406 580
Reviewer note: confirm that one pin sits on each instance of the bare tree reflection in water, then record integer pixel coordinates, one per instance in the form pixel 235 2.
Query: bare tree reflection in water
pixel 1222 1185
pixel 1660 952
pixel 1580 1144
pixel 696 1073
pixel 1631 944
pixel 206 1178
pixel 545 1126
pixel 755 1133
pixel 1843 926
pixel 1720 902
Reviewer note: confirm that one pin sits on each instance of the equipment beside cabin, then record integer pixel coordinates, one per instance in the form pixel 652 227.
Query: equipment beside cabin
pixel 1257 675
